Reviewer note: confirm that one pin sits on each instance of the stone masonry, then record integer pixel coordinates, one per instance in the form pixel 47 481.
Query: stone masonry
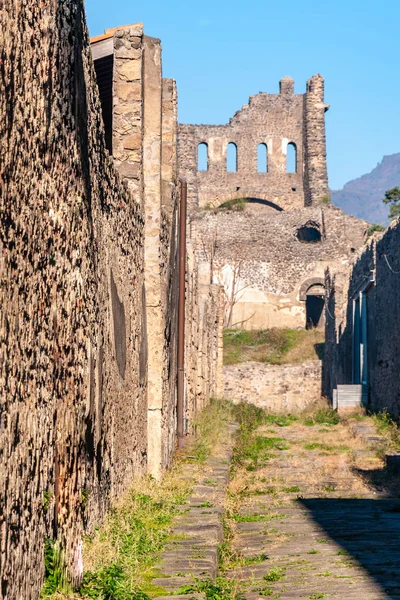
pixel 275 120
pixel 88 282
pixel 362 329
pixel 270 251
pixel 276 272
pixel 277 388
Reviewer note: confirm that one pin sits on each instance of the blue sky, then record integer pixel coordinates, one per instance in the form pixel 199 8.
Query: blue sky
pixel 221 52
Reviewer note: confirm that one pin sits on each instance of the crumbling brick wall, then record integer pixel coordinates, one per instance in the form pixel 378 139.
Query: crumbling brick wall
pixel 374 279
pixel 275 120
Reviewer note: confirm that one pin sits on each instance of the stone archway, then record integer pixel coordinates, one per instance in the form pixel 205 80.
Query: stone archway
pixel 312 292
pixel 250 197
pixel 247 200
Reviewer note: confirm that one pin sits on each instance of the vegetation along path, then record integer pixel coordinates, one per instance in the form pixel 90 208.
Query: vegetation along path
pixel 301 508
pixel 311 511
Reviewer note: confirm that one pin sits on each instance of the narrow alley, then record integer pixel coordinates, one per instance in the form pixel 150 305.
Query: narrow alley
pixel 310 512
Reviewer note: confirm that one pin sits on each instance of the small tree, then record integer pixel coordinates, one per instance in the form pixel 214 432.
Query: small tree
pixel 392 197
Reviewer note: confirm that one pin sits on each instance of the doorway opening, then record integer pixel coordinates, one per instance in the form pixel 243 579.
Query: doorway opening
pixel 314 311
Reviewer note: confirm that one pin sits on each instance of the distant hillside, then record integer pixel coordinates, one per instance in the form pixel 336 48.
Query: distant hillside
pixel 362 197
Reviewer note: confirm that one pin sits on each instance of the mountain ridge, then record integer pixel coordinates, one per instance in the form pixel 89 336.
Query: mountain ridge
pixel 362 196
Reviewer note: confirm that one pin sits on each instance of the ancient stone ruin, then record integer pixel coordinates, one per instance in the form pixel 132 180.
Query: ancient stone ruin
pixel 89 250
pixel 264 227
pixel 260 137
pixel 362 361
pixel 94 267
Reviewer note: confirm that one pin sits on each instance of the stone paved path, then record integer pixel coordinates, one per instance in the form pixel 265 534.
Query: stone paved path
pixel 192 551
pixel 308 523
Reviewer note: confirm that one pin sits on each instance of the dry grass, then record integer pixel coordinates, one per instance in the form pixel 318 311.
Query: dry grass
pixel 273 346
pixel 320 461
pixel 316 455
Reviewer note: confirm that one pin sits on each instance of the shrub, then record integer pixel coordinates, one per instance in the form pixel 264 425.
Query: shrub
pixel 375 227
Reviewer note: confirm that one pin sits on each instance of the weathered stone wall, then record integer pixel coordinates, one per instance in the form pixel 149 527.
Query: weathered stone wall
pixel 88 284
pixel 275 270
pixel 275 120
pixel 169 273
pixel 277 388
pixel 203 339
pixel 375 275
pixel 73 393
pixel 315 170
pixel 144 131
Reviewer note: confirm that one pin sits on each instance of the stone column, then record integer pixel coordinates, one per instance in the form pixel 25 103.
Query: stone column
pixel 152 91
pixel 315 176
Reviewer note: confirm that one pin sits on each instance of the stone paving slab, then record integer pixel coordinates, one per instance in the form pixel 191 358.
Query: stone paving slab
pixel 334 537
pixel 197 531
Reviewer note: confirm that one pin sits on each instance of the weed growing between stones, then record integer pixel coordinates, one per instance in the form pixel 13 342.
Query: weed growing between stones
pixel 323 416
pixel 219 589
pixel 389 428
pixel 275 574
pixel 56 577
pixel 119 557
pixel 326 447
pixel 209 426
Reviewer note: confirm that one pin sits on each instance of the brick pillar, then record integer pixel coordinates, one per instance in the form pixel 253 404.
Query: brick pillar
pixel 315 175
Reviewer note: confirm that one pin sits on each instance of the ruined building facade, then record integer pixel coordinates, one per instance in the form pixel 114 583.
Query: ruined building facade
pixel 272 263
pixel 264 227
pixel 270 125
pixel 89 204
pixel 363 325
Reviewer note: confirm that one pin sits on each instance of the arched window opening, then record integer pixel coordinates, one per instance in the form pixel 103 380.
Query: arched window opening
pixel 231 158
pixel 291 158
pixel 309 233
pixel 202 157
pixel 262 158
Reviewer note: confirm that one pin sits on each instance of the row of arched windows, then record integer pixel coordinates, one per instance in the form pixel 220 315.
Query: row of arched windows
pixel 262 158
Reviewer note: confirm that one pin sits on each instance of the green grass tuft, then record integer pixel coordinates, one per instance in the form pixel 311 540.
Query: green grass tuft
pixel 275 574
pixel 324 416
pixel 388 427
pixel 220 589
